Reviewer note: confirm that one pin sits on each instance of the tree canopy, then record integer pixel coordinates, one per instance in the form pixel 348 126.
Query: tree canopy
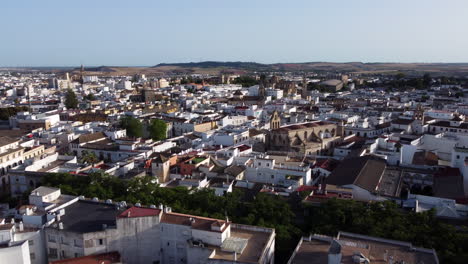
pixel 157 129
pixel 133 126
pixel 245 81
pixel 71 101
pixel 90 97
pixel 7 112
pixel 89 157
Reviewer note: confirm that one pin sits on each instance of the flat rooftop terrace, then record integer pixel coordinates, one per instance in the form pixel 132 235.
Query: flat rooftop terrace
pixel 377 250
pixel 257 241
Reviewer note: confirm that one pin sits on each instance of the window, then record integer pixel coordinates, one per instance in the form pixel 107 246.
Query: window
pixel 52 238
pixel 458 156
pixel 32 256
pixel 31 242
pixel 53 252
pixel 62 254
pixel 101 241
pixel 272 176
pixel 76 255
pixel 64 241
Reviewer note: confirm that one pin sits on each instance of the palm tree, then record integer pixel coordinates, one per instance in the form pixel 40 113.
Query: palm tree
pixel 89 157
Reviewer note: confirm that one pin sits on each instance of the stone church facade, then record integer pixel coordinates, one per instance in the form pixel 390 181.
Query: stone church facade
pixel 312 138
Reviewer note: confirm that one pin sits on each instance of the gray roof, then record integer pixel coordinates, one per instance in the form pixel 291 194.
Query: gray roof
pixel 7 140
pixel 88 216
pixel 43 190
pixel 364 172
pixel 332 82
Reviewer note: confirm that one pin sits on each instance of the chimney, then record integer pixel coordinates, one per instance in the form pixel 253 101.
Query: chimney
pixel 128 214
pixel 60 226
pixel 21 226
pixel 235 256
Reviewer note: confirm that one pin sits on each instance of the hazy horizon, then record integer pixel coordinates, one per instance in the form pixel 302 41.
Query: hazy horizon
pixel 147 66
pixel 145 33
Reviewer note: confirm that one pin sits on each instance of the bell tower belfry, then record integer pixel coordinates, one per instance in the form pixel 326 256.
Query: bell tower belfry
pixel 275 120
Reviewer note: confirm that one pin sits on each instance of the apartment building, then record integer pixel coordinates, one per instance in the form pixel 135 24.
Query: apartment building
pixel 354 248
pixel 152 235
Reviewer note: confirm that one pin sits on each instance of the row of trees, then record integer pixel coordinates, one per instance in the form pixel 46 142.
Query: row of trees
pixel 7 112
pixel 245 81
pixel 387 220
pixel 289 217
pixel 157 128
pixel 401 81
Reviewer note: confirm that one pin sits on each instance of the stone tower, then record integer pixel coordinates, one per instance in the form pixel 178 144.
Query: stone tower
pixel 275 120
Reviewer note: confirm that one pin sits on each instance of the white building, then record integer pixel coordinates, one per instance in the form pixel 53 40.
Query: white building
pixel 124 85
pixel 90 78
pixel 149 235
pixel 266 170
pixel 230 138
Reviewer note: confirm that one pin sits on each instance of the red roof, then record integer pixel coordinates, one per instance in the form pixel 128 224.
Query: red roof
pixel 139 212
pixel 104 258
pixel 242 107
pixel 306 188
pixel 243 148
pixel 103 166
pixel 448 171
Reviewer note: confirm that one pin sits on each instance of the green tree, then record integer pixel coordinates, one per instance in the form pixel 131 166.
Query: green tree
pixel 427 80
pixel 90 97
pixel 245 81
pixel 7 112
pixel 89 157
pixel 157 129
pixel 71 101
pixel 133 126
pixel 400 76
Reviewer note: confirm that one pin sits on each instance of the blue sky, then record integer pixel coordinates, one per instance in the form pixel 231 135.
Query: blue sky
pixel 148 32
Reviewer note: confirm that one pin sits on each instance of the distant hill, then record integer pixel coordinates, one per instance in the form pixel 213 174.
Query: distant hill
pixel 103 69
pixel 215 64
pixel 219 67
pixel 349 67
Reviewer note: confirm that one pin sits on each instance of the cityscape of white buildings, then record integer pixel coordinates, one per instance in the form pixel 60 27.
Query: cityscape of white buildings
pixel 363 142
